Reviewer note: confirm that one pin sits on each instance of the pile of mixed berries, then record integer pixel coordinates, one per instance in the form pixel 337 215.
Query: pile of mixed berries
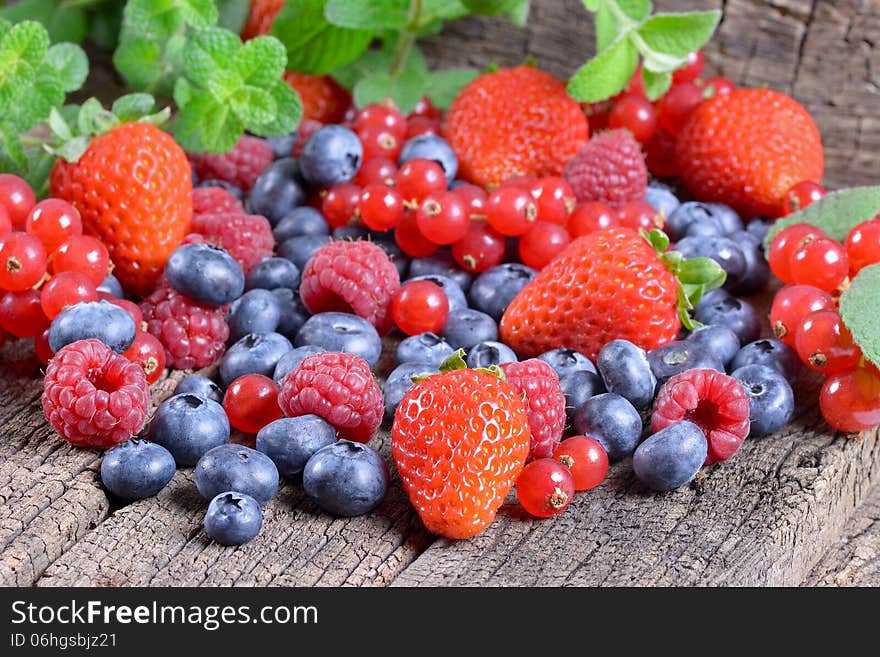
pixel 549 306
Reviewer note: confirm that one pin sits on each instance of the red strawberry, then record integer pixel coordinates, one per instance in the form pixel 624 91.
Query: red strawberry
pixel 607 285
pixel 261 15
pixel 459 439
pixel 610 168
pixel 322 98
pixel 515 121
pixel 747 148
pixel 133 189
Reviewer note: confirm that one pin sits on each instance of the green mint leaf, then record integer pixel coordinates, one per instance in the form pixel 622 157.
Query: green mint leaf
pixel 59 126
pixel 45 93
pixel 223 84
pixel 209 54
pixel 606 27
pixel 62 22
pixel 205 124
pixel 105 25
pixel 232 14
pixel 518 14
pixel 287 115
pixel 25 43
pixel 198 13
pixel 606 74
pixel 836 214
pixel 372 61
pixel 368 14
pixel 636 10
pixel 313 44
pixel 592 5
pixel 253 106
pixel 133 106
pixel 656 84
pixel 260 61
pixel 150 19
pixel 139 62
pixel 442 9
pixel 858 309
pixel 406 90
pixel 70 63
pixel 183 92
pixel 443 86
pixel 678 35
pixel 490 7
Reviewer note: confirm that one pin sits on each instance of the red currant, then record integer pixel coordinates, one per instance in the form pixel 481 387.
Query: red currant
pixel 718 86
pixel 640 214
pixel 340 205
pixel 381 116
pixel 42 350
pixel 52 221
pixel 443 218
pixel 636 85
pixel 589 217
pixel 791 305
pixel 863 246
pixel 545 488
pixel 380 207
pixel 480 249
pixel 22 315
pixel 475 198
pixel 511 211
pixel 636 114
pixel 554 198
pixel 425 108
pixel 251 402
pixel 22 261
pixel 422 125
pixel 420 307
pixel 597 114
pixel 148 352
pixel 64 290
pixel 410 239
pixel 691 70
pixel 17 197
pixel 821 263
pixel 586 458
pixel 851 401
pixel 803 194
pixel 5 221
pixel 660 154
pixel 825 344
pixel 542 243
pixel 376 171
pixel 677 105
pixel 82 253
pixel 785 244
pixel 418 178
pixel 379 141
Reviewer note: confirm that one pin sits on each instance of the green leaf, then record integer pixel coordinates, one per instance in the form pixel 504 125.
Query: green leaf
pixel 70 64
pixel 836 213
pixel 133 106
pixel 139 62
pixel 592 5
pixel 442 9
pixel 72 149
pixel 223 84
pixel 105 26
pixel 45 93
pixel 372 61
pixel 261 61
pixel 253 106
pixel 368 14
pixel 636 10
pixel 287 115
pixel 606 74
pixel 606 28
pixel 59 127
pixel 198 13
pixel 150 19
pixel 443 86
pixel 518 14
pixel 233 14
pixel 93 119
pixel 205 124
pixel 858 309
pixel 490 7
pixel 183 92
pixel 210 53
pixel 406 90
pixel 25 43
pixel 656 84
pixel 679 34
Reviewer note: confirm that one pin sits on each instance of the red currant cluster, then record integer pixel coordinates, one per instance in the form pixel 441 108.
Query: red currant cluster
pixel 805 316
pixel 47 264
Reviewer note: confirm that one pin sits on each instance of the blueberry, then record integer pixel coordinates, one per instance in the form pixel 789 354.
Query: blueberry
pixel 351 233
pixel 578 386
pixel 441 263
pixel 486 354
pixel 730 220
pixel 222 184
pixel 111 285
pixel 272 273
pixel 424 347
pixel 671 457
pixel 759 226
pixel 565 361
pixel 239 468
pixel 611 420
pixel 299 250
pixel 495 288
pixel 277 191
pixel 662 198
pixel 625 371
pixel 258 311
pixel 772 353
pixel 722 250
pixel 282 146
pixel 708 227
pixel 202 386
pixel 399 381
pixel 680 356
pixel 288 362
pixel 291 441
pixel 332 155
pixel 346 478
pixel 431 147
pixel 454 293
pixel 719 340
pixel 341 332
pixel 771 399
pixel 293 312
pixel 737 315
pixel 757 272
pixel 136 469
pixel 100 320
pixel 399 258
pixel 205 273
pixel 303 220
pixel 188 426
pixel 255 353
pixel 233 518
pixel 465 327
pixel 678 223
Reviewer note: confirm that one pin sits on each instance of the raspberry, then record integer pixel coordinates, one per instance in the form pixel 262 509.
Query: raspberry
pixel 610 169
pixel 545 403
pixel 338 387
pixel 715 402
pixel 193 335
pixel 94 397
pixel 240 167
pixel 356 277
pixel 247 237
pixel 215 200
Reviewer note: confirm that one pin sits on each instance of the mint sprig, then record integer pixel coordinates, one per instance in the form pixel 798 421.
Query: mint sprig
pixel 626 32
pixel 858 309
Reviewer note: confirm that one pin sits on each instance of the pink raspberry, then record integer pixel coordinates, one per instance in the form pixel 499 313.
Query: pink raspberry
pixel 94 397
pixel 348 276
pixel 545 403
pixel 247 237
pixel 610 168
pixel 715 402
pixel 338 387
pixel 215 200
pixel 306 129
pixel 240 167
pixel 193 335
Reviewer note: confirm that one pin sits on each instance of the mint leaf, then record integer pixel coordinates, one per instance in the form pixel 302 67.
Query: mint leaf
pixel 133 106
pixel 253 105
pixel 636 10
pixel 232 14
pixel 858 309
pixel 25 43
pixel 207 125
pixel 260 61
pixel 150 20
pixel 490 7
pixel 368 14
pixel 443 86
pixel 606 28
pixel 656 84
pixel 678 35
pixel 198 13
pixel 836 214
pixel 372 61
pixel 70 64
pixel 606 74
pixel 287 115
pixel 518 14
pixel 209 54
pixel 592 5
pixel 139 62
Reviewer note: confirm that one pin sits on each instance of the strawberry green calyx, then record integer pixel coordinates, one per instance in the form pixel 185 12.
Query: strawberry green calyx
pixel 695 276
pixel 455 361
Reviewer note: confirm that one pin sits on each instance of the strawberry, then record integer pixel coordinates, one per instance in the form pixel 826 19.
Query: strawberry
pixel 515 121
pixel 261 15
pixel 460 439
pixel 322 98
pixel 747 148
pixel 609 284
pixel 133 187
